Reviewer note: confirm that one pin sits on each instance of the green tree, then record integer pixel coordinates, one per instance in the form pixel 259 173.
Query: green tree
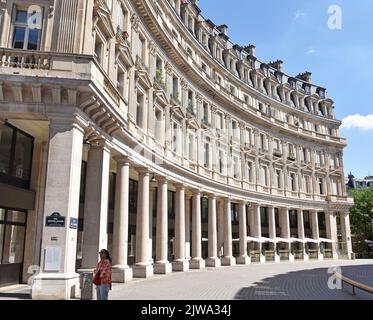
pixel 361 214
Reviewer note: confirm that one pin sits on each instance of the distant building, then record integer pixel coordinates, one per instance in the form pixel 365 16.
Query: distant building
pixel 353 183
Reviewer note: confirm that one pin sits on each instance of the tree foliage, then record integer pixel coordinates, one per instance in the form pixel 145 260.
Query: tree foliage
pixel 361 214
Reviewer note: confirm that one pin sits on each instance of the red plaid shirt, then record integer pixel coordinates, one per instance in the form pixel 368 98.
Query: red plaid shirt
pixel 104 267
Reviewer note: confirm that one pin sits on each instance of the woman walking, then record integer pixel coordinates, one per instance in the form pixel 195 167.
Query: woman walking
pixel 102 275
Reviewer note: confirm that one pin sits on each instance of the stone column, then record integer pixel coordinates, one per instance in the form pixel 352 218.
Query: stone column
pixel 143 267
pixel 187 227
pixel 197 262
pixel 257 228
pixel 301 234
pixel 346 233
pixel 286 230
pixel 180 263
pixel 121 272
pixel 272 229
pixel 316 232
pixel 213 260
pixel 243 258
pixel 162 265
pixel 228 259
pixel 220 205
pixel 96 204
pixel 331 231
pixel 58 279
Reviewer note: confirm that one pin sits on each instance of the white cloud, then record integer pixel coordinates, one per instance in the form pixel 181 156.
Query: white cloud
pixel 358 121
pixel 311 51
pixel 299 14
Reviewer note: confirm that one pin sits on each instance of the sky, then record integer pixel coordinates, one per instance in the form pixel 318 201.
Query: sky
pixel 333 39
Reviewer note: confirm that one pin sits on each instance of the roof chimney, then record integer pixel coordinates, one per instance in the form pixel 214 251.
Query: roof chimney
pixel 306 76
pixel 223 29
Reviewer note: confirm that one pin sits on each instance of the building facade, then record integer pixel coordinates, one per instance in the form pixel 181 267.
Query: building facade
pixel 138 126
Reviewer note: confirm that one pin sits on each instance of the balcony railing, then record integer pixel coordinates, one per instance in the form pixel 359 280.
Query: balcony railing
pixel 25 59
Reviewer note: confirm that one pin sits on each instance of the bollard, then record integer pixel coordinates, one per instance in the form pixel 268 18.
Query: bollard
pixel 86 286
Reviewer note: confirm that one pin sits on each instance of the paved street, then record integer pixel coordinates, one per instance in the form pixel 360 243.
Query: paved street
pixel 284 281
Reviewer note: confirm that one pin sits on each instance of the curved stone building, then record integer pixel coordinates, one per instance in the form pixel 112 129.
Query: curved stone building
pixel 137 125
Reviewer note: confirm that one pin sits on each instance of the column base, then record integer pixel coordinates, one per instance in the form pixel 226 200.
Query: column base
pixel 291 257
pixel 163 268
pixel 228 261
pixel 243 260
pixel 306 257
pixel 140 271
pixel 56 286
pixel 213 262
pixel 197 264
pixel 277 258
pixel 320 257
pixel 262 258
pixel 180 266
pixel 335 256
pixel 122 274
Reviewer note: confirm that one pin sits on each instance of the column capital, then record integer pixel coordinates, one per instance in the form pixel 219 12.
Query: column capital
pixel 122 159
pixel 160 179
pixel 180 186
pixel 143 171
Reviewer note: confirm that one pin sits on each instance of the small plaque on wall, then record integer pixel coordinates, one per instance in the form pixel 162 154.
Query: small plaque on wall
pixel 52 259
pixel 55 220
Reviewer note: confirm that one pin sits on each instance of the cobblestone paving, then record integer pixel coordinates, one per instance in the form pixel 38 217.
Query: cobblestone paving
pixel 284 281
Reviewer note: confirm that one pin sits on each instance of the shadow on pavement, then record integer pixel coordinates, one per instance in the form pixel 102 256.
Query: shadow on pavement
pixel 309 285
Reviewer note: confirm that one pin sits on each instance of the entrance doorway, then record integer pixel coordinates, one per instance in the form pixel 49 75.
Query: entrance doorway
pixel 12 244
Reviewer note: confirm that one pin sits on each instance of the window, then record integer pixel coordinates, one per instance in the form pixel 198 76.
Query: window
pixel 207 158
pixel 219 121
pixel 307 184
pixel 122 81
pixel 263 217
pixel 140 109
pixel 175 87
pixel 99 49
pixel 278 179
pixel 236 167
pixel 176 138
pixel 234 213
pixel 293 182
pixel 191 100
pixel 321 219
pixel 321 186
pixel 205 112
pixel 262 142
pixel 191 146
pixel 204 210
pixel 221 161
pixel 159 125
pixel 112 181
pixel 250 172
pixel 16 150
pixel 122 18
pixel 293 218
pixel 264 176
pixel 26 36
pixel 141 48
pixel 12 236
pixel 83 177
pixel 132 196
pixel 235 130
pixel 306 219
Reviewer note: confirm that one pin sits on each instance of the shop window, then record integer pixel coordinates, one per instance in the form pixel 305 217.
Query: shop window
pixel 12 236
pixel 16 149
